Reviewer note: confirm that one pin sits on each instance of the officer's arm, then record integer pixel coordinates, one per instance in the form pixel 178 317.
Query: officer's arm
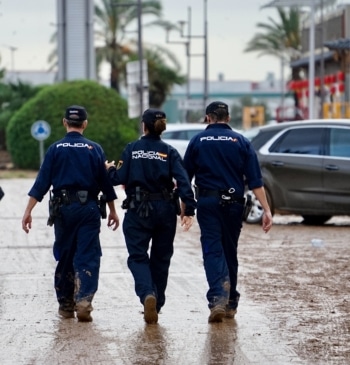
pixel 113 219
pixel 267 216
pixel 27 216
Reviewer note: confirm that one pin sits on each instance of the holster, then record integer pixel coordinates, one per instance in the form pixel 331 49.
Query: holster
pixel 55 204
pixel 102 203
pixel 247 207
pixel 176 200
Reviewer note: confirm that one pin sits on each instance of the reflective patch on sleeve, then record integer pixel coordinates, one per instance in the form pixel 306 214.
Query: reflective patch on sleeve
pixel 120 164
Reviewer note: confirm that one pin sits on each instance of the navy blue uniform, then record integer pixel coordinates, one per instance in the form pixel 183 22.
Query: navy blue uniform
pixel 150 165
pixel 221 160
pixel 75 163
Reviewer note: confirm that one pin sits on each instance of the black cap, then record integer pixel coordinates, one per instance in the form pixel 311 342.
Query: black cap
pixel 151 115
pixel 216 106
pixel 76 113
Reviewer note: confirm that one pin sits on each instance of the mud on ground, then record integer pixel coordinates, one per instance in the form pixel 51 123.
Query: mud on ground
pixel 303 288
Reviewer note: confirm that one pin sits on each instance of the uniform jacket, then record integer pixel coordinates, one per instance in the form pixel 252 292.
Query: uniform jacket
pixel 152 164
pixel 73 163
pixel 221 158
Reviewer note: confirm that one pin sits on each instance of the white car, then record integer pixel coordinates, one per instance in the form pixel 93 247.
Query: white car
pixel 178 135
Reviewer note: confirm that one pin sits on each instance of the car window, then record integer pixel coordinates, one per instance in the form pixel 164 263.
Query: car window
pixel 306 141
pixel 251 133
pixel 170 135
pixel 339 142
pixel 260 139
pixel 182 135
pixel 185 135
pixel 192 132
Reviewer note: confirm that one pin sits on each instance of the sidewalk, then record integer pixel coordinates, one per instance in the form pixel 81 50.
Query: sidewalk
pixel 32 332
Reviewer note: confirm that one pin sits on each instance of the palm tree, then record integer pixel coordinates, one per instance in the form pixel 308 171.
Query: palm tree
pixel 114 18
pixel 280 39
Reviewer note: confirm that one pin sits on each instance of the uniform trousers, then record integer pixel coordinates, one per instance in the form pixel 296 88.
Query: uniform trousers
pixel 220 227
pixel 149 263
pixel 77 251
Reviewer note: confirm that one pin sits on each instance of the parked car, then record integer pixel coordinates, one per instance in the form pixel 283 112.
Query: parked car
pixel 258 136
pixel 178 135
pixel 305 167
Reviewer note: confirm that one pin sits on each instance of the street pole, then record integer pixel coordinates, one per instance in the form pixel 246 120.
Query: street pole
pixel 140 54
pixel 189 36
pixel 322 70
pixel 13 49
pixel 312 61
pixel 188 52
pixel 205 94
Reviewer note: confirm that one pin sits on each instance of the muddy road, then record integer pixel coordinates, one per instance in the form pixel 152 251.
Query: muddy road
pixel 294 309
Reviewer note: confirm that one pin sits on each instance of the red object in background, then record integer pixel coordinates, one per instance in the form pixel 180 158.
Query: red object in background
pixel 340 76
pixel 291 85
pixel 333 90
pixel 328 79
pixel 341 88
pixel 307 93
pixel 304 84
pixel 317 81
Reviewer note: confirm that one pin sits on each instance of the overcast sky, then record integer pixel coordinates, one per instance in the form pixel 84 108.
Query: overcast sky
pixel 28 25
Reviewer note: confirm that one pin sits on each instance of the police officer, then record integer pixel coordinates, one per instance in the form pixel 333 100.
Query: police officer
pixel 221 160
pixel 74 167
pixel 147 169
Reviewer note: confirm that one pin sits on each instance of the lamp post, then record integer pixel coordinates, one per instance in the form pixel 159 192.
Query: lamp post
pixel 189 36
pixel 140 52
pixel 187 43
pixel 205 96
pixel 12 50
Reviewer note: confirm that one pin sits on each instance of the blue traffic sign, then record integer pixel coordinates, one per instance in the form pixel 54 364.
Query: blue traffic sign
pixel 40 130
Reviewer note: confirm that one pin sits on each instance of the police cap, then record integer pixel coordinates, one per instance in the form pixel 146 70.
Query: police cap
pixel 216 106
pixel 76 113
pixel 151 115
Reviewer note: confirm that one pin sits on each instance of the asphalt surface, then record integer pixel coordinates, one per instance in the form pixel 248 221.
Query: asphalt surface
pixel 33 333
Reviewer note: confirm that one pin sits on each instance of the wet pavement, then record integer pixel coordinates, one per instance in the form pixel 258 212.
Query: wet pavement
pixel 32 333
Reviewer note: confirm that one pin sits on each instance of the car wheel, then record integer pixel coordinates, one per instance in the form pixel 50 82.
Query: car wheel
pixel 256 212
pixel 315 220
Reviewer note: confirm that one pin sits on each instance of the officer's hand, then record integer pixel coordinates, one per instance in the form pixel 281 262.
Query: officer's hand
pixel 113 221
pixel 109 164
pixel 186 222
pixel 266 221
pixel 26 222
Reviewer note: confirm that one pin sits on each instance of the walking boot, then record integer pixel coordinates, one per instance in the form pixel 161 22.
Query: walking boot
pixel 217 313
pixel 66 310
pixel 84 309
pixel 150 314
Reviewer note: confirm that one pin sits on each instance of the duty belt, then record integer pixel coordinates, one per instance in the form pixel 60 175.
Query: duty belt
pixel 69 196
pixel 141 200
pixel 224 195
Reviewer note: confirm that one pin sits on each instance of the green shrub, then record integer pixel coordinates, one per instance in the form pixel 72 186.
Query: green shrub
pixel 108 125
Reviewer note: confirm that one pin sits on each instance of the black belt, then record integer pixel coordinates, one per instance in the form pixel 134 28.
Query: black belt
pixel 153 196
pixel 221 194
pixel 72 196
